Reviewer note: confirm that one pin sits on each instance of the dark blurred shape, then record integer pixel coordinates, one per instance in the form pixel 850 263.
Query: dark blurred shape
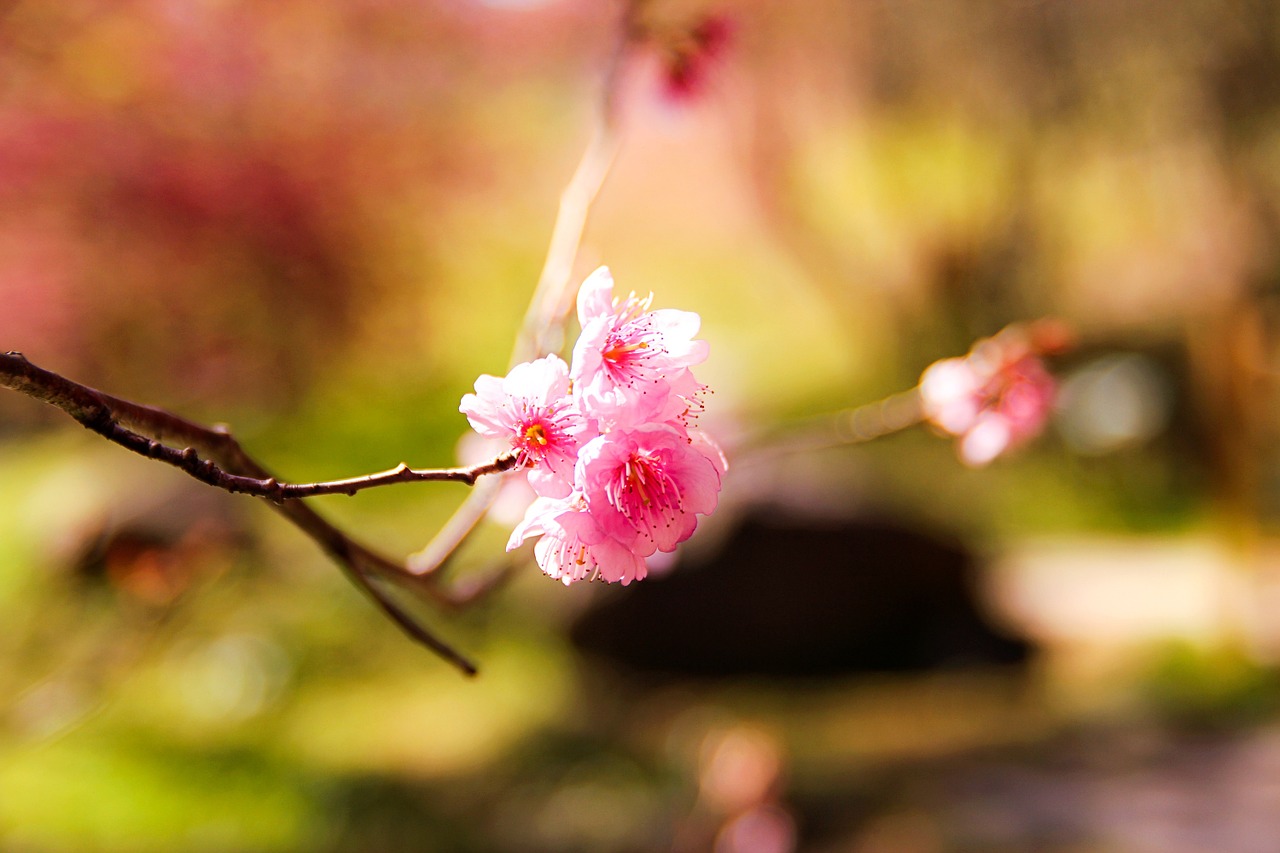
pixel 790 597
pixel 154 553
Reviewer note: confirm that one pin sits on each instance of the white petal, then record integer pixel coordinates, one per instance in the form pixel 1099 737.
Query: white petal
pixel 595 297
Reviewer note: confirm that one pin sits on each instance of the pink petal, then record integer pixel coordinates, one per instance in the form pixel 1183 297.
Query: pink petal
pixel 538 382
pixel 485 409
pixel 678 329
pixel 595 297
pixel 988 439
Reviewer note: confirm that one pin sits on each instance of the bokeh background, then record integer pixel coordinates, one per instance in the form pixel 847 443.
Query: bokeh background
pixel 319 220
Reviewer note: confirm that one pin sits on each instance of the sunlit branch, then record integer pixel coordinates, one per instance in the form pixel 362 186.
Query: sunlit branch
pixel 213 456
pixel 543 328
pixel 876 420
pixel 455 531
pixel 95 411
pixel 145 429
pixel 857 425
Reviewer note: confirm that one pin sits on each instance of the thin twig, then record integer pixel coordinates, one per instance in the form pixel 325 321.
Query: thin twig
pixel 144 429
pixel 880 418
pixel 435 556
pixel 857 425
pixel 544 322
pixel 97 412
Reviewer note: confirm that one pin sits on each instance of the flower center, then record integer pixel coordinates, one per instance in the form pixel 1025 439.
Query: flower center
pixel 616 352
pixel 635 480
pixel 537 434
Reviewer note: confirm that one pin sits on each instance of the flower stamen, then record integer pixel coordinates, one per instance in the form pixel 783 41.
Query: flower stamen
pixel 536 433
pixel 615 353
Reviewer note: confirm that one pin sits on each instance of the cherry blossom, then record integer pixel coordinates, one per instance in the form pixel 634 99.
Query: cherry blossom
pixel 532 410
pixel 646 486
pixel 611 445
pixel 572 546
pixel 995 398
pixel 689 61
pixel 628 356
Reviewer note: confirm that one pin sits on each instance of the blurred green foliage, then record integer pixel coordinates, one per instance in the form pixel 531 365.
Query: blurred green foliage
pixel 1210 689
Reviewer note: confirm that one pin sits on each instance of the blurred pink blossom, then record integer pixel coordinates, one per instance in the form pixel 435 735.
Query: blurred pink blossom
pixel 690 59
pixel 998 396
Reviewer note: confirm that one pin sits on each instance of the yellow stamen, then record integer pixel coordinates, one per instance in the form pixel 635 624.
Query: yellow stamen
pixel 614 353
pixel 637 482
pixel 536 433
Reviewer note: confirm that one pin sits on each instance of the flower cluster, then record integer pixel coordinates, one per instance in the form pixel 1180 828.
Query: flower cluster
pixel 610 443
pixel 996 397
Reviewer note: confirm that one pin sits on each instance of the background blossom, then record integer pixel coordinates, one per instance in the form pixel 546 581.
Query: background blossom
pixel 995 398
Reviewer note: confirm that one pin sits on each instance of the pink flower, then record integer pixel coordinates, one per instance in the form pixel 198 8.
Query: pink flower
pixel 951 394
pixel 627 355
pixel 684 404
pixel 684 407
pixel 1021 400
pixel 611 445
pixel 646 486
pixel 532 410
pixel 573 547
pixel 995 398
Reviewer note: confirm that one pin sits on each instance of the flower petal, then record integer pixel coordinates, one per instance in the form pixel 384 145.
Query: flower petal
pixel 595 297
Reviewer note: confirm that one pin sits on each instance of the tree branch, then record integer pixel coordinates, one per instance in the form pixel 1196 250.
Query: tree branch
pixel 104 414
pixel 145 429
pixel 858 425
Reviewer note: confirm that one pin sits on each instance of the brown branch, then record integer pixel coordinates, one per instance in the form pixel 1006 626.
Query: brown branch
pixel 98 412
pixel 145 429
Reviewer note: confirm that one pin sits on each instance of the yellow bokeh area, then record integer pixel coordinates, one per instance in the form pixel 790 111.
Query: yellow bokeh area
pixel 318 221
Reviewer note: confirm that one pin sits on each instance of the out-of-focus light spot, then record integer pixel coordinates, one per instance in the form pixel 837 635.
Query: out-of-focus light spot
pixel 233 678
pixel 768 829
pixel 1116 592
pixel 1114 402
pixel 740 767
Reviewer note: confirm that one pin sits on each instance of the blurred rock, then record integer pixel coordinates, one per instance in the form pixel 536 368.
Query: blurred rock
pixel 794 597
